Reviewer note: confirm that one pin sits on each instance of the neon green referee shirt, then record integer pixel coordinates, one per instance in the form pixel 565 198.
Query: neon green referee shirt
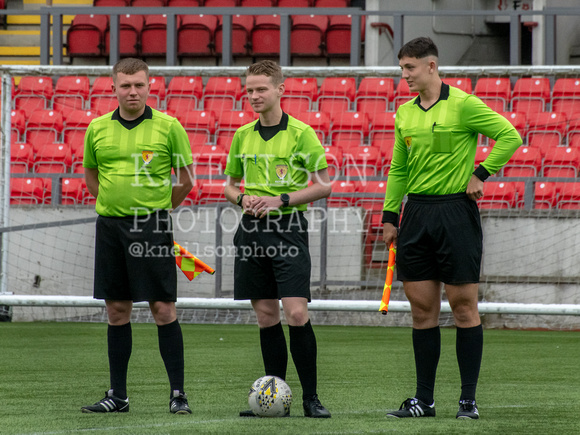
pixel 134 159
pixel 281 163
pixel 434 151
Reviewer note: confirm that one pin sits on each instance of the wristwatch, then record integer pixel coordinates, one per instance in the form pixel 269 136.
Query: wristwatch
pixel 240 198
pixel 285 199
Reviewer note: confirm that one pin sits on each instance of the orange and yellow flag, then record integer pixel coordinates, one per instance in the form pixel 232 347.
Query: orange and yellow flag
pixel 384 308
pixel 189 263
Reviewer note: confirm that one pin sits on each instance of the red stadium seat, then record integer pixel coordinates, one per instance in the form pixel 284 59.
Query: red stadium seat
pixel 33 93
pixel 386 148
pixel 221 93
pixel 73 191
pixel 183 93
pixel 566 96
pixel 568 196
pixel 209 159
pixel 561 162
pixel 211 191
pixel 184 3
pixel 266 36
pixel 338 36
pixel 220 3
pixel 154 36
pixel 75 126
pixel 102 99
pixel 44 126
pixel 53 158
pixel 148 3
pixel 195 35
pixel 257 3
pixel 382 127
pixel 525 162
pixel 241 30
pixel 21 157
pixel 307 35
pixel 85 36
pixel 531 94
pixel 545 195
pixel 349 126
pixel 361 161
pixel 157 91
pixel 319 121
pixel 374 95
pixel 70 93
pixel 17 124
pixel 498 195
pixel 518 120
pixel 336 94
pixel 495 92
pixel 546 129
pixel 200 122
pixel 130 28
pixel 334 159
pixel 342 194
pixel 330 3
pixel 403 94
pixel 462 83
pixel 228 123
pixel 370 195
pixel 112 3
pixel 27 191
pixel 299 94
pixel 293 3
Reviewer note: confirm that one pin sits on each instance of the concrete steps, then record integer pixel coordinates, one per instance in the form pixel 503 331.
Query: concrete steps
pixel 20 42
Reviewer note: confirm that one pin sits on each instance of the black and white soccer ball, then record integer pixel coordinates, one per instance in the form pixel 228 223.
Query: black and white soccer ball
pixel 270 396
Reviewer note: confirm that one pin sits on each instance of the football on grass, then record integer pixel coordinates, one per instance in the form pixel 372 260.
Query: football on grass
pixel 270 396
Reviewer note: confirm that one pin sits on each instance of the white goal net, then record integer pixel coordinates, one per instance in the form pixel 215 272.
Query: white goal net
pixel 530 273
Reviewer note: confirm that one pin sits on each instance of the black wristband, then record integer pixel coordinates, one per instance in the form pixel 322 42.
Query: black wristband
pixel 481 173
pixel 391 218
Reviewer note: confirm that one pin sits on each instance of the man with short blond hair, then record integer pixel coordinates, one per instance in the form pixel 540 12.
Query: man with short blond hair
pixel 276 156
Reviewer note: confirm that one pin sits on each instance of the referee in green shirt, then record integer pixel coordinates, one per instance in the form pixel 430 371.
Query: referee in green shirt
pixel 440 239
pixel 277 156
pixel 129 155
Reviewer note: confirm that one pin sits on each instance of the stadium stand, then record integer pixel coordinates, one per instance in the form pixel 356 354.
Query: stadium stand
pixel 531 94
pixel 307 35
pixel 43 127
pixel 336 94
pixel 33 93
pixel 265 38
pixel 183 94
pixel 495 92
pixel 374 95
pixel 154 36
pixel 241 30
pixel 195 35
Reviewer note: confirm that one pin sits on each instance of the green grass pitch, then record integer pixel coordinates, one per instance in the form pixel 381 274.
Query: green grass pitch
pixel 529 383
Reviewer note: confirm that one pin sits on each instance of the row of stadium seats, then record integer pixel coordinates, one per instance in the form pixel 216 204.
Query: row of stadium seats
pixel 335 94
pixel 367 194
pixel 227 3
pixel 201 35
pixel 542 130
pixel 352 161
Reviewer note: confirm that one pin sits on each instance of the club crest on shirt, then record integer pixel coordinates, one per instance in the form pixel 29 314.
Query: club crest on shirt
pixel 281 171
pixel 147 156
pixel 408 142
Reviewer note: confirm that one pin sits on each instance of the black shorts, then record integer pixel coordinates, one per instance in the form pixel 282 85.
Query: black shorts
pixel 440 239
pixel 272 257
pixel 134 258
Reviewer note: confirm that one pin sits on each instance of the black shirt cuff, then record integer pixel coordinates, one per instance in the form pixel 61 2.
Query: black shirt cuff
pixel 481 173
pixel 391 218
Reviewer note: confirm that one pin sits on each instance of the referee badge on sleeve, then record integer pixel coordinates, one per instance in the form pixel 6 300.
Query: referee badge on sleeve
pixel 147 156
pixel 408 142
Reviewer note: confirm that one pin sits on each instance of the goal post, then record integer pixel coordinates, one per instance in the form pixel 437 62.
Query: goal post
pixel 530 275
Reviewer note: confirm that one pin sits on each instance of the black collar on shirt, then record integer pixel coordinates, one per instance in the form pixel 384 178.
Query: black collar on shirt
pixel 147 114
pixel 444 95
pixel 268 132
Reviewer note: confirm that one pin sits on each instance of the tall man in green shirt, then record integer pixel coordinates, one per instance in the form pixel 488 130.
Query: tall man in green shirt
pixel 440 239
pixel 276 156
pixel 129 155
